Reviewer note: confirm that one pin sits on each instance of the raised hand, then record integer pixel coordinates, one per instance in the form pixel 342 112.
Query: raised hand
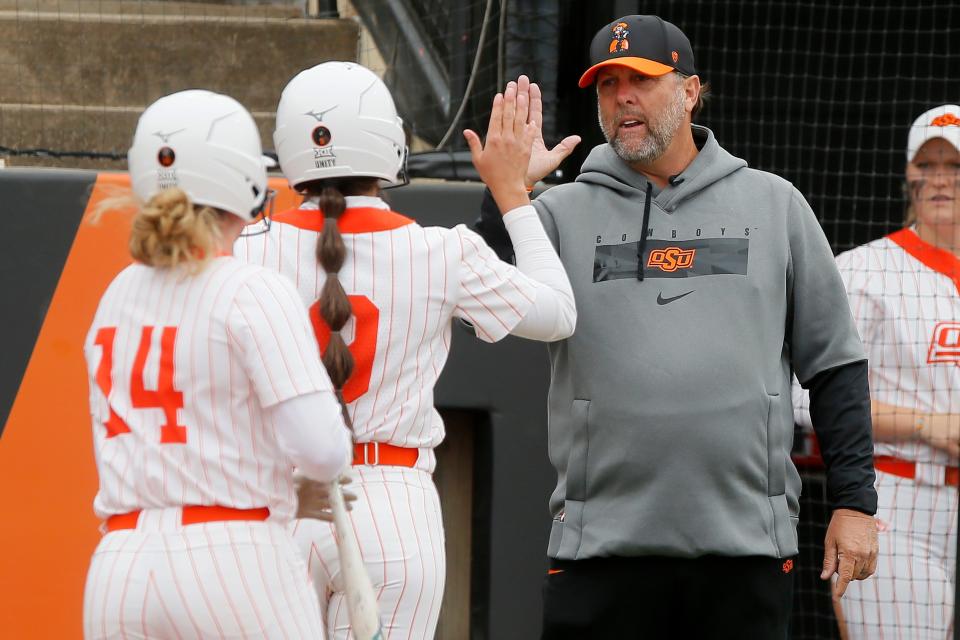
pixel 503 159
pixel 543 161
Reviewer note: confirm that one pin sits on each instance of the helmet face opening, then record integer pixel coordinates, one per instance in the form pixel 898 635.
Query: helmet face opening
pixel 403 177
pixel 262 216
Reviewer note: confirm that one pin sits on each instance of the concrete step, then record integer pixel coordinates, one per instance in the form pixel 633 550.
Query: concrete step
pixel 132 59
pixel 75 74
pixel 76 128
pixel 223 8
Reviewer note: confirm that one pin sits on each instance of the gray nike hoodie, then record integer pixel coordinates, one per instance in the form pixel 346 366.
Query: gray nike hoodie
pixel 670 419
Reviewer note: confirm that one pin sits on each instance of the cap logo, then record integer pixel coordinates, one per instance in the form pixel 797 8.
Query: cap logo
pixel 166 156
pixel 620 42
pixel 321 136
pixel 946 120
pixel 675 56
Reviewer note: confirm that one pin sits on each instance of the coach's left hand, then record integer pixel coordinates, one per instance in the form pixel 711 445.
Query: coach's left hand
pixel 313 498
pixel 850 548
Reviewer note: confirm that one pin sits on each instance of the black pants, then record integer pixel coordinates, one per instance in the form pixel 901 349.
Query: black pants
pixel 654 597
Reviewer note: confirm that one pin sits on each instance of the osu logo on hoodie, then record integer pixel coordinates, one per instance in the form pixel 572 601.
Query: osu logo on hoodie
pixel 670 259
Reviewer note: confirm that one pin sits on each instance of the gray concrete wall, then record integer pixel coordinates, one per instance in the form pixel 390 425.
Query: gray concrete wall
pixel 72 78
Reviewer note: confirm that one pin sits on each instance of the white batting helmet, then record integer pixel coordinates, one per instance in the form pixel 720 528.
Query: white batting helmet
pixel 338 120
pixel 204 143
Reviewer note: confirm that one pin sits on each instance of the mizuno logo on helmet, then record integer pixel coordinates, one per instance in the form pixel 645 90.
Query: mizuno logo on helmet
pixel 318 116
pixel 166 136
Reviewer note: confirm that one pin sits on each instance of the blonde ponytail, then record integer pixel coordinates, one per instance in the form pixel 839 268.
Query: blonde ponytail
pixel 169 230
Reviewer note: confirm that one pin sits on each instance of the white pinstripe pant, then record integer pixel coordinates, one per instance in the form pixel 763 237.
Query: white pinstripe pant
pixel 911 595
pixel 212 580
pixel 399 527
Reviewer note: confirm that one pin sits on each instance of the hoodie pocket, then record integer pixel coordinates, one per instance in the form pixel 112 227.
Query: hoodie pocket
pixel 784 532
pixel 579 448
pixel 567 531
pixel 776 461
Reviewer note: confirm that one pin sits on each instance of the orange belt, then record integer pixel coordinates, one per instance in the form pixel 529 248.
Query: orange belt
pixel 380 453
pixel 192 515
pixel 908 469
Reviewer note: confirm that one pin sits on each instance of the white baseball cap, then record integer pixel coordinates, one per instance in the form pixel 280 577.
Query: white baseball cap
pixel 939 122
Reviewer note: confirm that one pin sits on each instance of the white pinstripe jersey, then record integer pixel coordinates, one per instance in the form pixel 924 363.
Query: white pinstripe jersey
pixel 905 297
pixel 181 369
pixel 405 283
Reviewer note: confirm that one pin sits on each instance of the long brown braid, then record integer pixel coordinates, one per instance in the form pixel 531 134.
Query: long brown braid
pixel 334 304
pixel 335 307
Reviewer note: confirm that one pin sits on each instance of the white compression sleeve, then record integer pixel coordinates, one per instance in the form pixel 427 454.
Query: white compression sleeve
pixel 310 431
pixel 553 315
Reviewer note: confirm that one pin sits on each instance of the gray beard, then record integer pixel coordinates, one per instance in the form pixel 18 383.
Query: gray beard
pixel 660 133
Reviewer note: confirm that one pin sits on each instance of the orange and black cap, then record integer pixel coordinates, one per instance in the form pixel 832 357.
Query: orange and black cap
pixel 647 44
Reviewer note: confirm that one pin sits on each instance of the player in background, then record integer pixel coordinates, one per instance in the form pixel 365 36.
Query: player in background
pixel 904 290
pixel 206 387
pixel 389 288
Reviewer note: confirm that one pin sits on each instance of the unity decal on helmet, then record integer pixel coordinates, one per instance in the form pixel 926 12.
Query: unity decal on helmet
pixel 675 56
pixel 620 42
pixel 946 120
pixel 323 155
pixel 166 177
pixel 166 174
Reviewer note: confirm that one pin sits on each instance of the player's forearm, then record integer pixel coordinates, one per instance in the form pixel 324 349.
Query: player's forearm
pixel 491 228
pixel 311 432
pixel 553 314
pixel 892 423
pixel 840 412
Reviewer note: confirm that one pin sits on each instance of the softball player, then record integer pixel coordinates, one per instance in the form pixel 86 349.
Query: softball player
pixel 387 287
pixel 904 290
pixel 205 389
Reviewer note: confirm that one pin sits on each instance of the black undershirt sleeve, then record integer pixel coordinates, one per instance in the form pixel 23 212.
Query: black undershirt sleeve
pixel 491 228
pixel 840 413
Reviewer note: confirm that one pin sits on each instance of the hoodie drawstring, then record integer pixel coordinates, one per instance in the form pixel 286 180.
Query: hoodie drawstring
pixel 642 245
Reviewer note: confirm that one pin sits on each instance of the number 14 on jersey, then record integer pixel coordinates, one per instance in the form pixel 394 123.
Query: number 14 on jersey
pixel 165 397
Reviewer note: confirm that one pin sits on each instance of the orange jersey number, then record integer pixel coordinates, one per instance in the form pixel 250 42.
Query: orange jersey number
pixel 115 424
pixel 363 347
pixel 164 397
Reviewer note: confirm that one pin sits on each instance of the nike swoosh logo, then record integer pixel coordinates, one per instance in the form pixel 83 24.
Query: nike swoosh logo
pixel 662 300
